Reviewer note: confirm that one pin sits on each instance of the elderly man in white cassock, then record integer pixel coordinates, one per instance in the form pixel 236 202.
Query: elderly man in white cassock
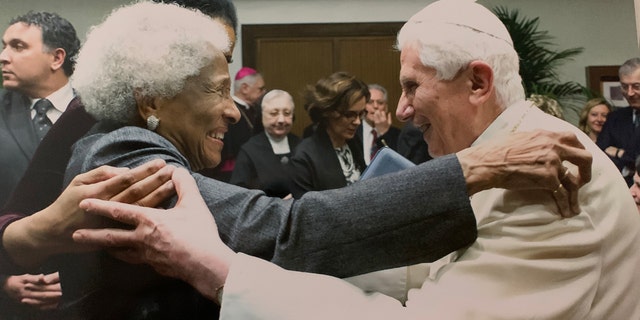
pixel 459 75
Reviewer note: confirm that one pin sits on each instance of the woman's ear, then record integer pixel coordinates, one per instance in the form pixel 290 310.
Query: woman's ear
pixel 481 82
pixel 146 105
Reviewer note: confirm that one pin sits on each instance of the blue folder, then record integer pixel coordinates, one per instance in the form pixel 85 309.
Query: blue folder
pixel 385 161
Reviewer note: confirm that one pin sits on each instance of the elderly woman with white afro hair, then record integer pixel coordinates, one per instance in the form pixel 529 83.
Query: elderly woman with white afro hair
pixel 150 73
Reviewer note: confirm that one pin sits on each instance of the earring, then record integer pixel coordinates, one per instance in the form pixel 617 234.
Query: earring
pixel 152 122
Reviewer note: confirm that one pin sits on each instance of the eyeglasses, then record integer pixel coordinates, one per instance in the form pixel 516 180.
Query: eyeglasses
pixel 352 115
pixel 634 86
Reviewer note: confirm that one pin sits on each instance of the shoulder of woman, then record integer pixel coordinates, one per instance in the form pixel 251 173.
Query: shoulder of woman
pixel 129 147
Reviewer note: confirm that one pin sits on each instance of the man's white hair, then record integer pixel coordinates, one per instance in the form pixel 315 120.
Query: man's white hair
pixel 450 34
pixel 150 48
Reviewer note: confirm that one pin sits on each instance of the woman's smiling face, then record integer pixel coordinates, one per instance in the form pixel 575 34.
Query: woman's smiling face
pixel 196 119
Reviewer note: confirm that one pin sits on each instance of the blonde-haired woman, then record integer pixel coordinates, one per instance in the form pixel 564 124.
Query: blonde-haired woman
pixel 593 116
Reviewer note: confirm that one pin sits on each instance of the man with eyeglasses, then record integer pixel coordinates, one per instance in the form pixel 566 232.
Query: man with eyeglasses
pixel 620 136
pixel 376 130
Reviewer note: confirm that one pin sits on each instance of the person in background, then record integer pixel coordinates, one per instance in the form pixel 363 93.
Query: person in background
pixel 411 144
pixel 311 127
pixel 635 187
pixel 248 89
pixel 461 87
pixel 38 58
pixel 376 130
pixel 547 105
pixel 332 157
pixel 620 135
pixel 223 11
pixel 593 116
pixel 262 160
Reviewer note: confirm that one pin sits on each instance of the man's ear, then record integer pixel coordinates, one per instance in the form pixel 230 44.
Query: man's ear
pixel 481 81
pixel 244 87
pixel 146 105
pixel 58 58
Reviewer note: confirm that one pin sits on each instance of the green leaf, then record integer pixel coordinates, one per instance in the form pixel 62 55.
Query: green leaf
pixel 539 60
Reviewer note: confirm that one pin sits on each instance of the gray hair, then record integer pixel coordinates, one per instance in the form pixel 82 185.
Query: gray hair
pixel 148 48
pixel 276 94
pixel 375 86
pixel 628 67
pixel 448 46
pixel 249 80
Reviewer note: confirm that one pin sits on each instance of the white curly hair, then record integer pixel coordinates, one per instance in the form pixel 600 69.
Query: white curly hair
pixel 151 48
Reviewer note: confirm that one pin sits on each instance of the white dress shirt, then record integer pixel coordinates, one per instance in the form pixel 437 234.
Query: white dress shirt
pixel 367 141
pixel 60 100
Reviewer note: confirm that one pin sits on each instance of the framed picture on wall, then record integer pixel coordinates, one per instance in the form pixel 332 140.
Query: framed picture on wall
pixel 612 91
pixel 604 81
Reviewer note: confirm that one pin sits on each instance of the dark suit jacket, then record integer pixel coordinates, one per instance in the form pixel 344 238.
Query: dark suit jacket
pixel 45 172
pixel 19 142
pixel 618 131
pixel 390 138
pixel 42 180
pixel 17 138
pixel 411 144
pixel 314 165
pixel 257 167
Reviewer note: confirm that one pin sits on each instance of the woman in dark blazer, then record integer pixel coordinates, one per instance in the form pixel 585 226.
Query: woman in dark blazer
pixel 332 157
pixel 261 161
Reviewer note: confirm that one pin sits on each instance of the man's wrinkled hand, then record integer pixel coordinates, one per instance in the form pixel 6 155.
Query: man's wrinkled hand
pixel 543 160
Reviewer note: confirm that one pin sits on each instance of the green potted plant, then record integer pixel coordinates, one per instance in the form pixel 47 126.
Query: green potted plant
pixel 539 61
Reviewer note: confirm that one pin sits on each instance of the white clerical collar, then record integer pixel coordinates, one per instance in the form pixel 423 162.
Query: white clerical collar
pixel 279 146
pixel 240 102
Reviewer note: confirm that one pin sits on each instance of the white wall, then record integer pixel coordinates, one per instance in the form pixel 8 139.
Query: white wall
pixel 605 28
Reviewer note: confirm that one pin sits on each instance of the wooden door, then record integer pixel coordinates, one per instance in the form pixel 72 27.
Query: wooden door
pixel 290 57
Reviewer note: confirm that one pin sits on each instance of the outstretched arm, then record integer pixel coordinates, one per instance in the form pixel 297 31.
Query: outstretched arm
pixel 417 215
pixel 31 240
pixel 541 168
